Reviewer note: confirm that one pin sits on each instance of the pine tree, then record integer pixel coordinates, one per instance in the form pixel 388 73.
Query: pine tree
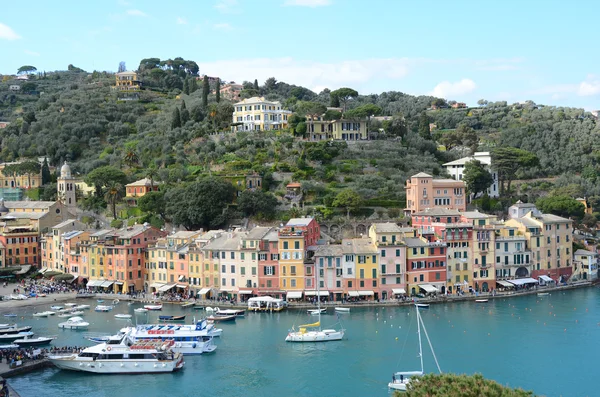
pixel 256 87
pixel 176 120
pixel 46 177
pixel 186 87
pixel 205 91
pixel 218 91
pixel 334 101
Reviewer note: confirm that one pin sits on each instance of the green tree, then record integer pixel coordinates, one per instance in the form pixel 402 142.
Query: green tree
pixel 114 193
pixel 334 100
pixel 193 85
pixel 201 204
pixel 257 203
pixel 332 115
pixel 424 130
pixel 256 87
pixel 218 91
pixel 176 119
pixel 131 158
pixel 477 178
pixel 344 95
pixel 46 177
pixel 186 87
pixel 205 91
pixel 445 385
pixel 153 203
pixel 508 161
pixel 562 206
pixel 347 199
pixel 439 102
pixel 311 110
pixel 396 126
pixel 184 114
pixel 102 177
pixel 27 69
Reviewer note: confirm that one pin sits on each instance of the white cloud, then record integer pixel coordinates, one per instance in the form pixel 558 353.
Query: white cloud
pixel 589 88
pixel 307 3
pixel 136 13
pixel 317 75
pixel 222 26
pixel 32 53
pixel 6 33
pixel 446 88
pixel 181 21
pixel 227 6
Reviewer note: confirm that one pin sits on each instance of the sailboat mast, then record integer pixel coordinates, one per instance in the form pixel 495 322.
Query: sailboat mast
pixel 318 294
pixel 419 333
pixel 430 346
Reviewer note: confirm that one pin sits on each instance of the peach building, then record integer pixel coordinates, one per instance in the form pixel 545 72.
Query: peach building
pixel 423 191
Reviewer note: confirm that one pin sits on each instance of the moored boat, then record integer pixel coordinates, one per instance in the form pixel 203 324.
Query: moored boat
pixel 154 307
pixel 229 312
pixel 123 355
pixel 316 311
pixel 8 338
pixel 70 304
pixel 543 293
pixel 29 341
pixel 103 308
pixel 218 319
pixel 141 310
pixel 14 330
pixel 422 305
pixel 481 300
pixel 342 309
pixel 82 307
pixel 74 323
pixel 171 318
pixel 10 315
pixel 123 316
pixel 187 304
pixel 56 307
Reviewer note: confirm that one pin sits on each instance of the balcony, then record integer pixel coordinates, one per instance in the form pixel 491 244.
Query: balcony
pixel 287 232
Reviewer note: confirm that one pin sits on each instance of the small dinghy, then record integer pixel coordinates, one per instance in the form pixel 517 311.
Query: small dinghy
pixel 141 310
pixel 171 318
pixel 314 312
pixel 342 309
pixel 103 308
pixel 82 307
pixel 123 316
pixel 56 307
pixel 481 300
pixel 422 305
pixel 153 307
pixel 10 315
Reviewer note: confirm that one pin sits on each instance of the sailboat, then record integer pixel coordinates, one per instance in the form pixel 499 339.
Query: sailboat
pixel 313 332
pixel 400 380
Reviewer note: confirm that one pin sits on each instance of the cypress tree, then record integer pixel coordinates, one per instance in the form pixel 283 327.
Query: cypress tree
pixel 176 120
pixel 186 87
pixel 424 130
pixel 46 177
pixel 218 91
pixel 256 87
pixel 205 91
pixel 334 101
pixel 184 115
pixel 193 85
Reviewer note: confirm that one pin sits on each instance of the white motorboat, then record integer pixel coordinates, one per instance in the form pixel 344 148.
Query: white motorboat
pixel 543 293
pixel 56 307
pixel 342 309
pixel 5 326
pixel 74 323
pixel 229 312
pixel 8 347
pixel 29 341
pixel 15 330
pixel 41 314
pixel 422 305
pixel 123 316
pixel 70 304
pixel 123 355
pixel 82 307
pixel 71 314
pixel 316 311
pixel 313 332
pixel 8 338
pixel 103 308
pixel 265 304
pixel 400 380
pixel 154 307
pixel 481 300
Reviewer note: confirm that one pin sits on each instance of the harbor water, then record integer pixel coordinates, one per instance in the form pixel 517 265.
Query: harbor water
pixel 547 344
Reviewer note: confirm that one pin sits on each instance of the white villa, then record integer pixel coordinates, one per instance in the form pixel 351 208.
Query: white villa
pixel 456 169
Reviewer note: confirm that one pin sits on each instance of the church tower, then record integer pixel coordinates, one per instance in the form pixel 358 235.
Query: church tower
pixel 66 187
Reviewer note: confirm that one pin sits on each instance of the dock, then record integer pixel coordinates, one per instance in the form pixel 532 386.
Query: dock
pixel 33 365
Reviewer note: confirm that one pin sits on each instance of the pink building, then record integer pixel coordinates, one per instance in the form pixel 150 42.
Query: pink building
pixel 310 227
pixel 268 264
pixel 423 191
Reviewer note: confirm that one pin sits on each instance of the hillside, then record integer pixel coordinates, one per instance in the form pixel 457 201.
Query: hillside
pixel 75 116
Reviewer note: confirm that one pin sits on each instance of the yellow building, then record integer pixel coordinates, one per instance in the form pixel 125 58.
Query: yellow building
pixel 127 81
pixel 366 257
pixel 291 260
pixel 258 114
pixel 96 257
pixel 156 266
pixel 458 237
pixel 24 181
pixel 345 130
pixel 137 189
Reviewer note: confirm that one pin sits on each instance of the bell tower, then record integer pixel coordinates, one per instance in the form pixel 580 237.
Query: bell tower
pixel 66 187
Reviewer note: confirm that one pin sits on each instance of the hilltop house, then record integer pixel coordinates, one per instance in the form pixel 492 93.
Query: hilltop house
pixel 456 169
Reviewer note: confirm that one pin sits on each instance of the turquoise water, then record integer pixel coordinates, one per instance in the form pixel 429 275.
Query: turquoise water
pixel 545 344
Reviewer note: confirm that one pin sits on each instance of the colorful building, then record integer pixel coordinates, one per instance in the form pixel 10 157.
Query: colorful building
pixel 328 273
pixel 25 181
pixel 425 266
pixel 127 81
pixel 459 239
pixel 259 114
pixel 423 191
pixel 137 189
pixel 20 241
pixel 366 257
pixel 456 169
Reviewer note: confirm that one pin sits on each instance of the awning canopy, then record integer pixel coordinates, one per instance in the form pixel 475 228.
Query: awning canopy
pixel 23 270
pixel 119 282
pixel 107 284
pixel 366 293
pixel 181 278
pixel 543 278
pixel 227 289
pixel 505 284
pixel 428 288
pixel 156 285
pixel 397 291
pixel 94 283
pixel 166 287
pixel 181 285
pixel 523 281
pixel 314 293
pixel 43 270
pixel 294 295
pixel 203 291
pixel 352 293
pixel 75 277
pixel 245 292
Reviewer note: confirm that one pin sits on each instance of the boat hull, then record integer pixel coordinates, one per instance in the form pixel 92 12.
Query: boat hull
pixel 315 336
pixel 72 326
pixel 398 385
pixel 342 309
pixel 115 366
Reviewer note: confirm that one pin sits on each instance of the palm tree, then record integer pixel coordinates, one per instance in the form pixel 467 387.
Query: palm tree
pixel 131 158
pixel 151 173
pixel 114 193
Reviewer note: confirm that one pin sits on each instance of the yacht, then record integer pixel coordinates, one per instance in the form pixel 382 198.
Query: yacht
pixel 74 323
pixel 187 342
pixel 13 337
pixel 14 330
pixel 123 355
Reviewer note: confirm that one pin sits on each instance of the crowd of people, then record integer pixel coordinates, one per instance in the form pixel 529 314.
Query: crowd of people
pixel 13 356
pixel 36 287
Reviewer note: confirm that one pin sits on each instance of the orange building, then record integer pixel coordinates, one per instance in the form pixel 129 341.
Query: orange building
pixel 21 241
pixel 422 191
pixel 137 189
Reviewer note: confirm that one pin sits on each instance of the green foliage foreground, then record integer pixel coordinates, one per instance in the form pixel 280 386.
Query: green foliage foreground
pixel 452 385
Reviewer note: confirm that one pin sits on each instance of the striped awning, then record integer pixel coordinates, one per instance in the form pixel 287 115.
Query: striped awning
pixel 428 288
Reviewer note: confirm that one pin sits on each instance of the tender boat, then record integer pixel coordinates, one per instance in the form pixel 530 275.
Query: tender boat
pixel 10 315
pixel 103 308
pixel 70 304
pixel 543 293
pixel 481 300
pixel 123 355
pixel 316 311
pixel 141 310
pixel 14 330
pixel 342 309
pixel 153 307
pixel 74 323
pixel 123 316
pixel 229 312
pixel 5 326
pixel 422 305
pixel 218 319
pixel 188 304
pixel 8 338
pixel 115 302
pixel 171 318
pixel 56 308
pixel 82 307
pixel 28 341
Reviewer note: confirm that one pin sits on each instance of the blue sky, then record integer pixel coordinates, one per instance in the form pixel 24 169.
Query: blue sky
pixel 464 50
